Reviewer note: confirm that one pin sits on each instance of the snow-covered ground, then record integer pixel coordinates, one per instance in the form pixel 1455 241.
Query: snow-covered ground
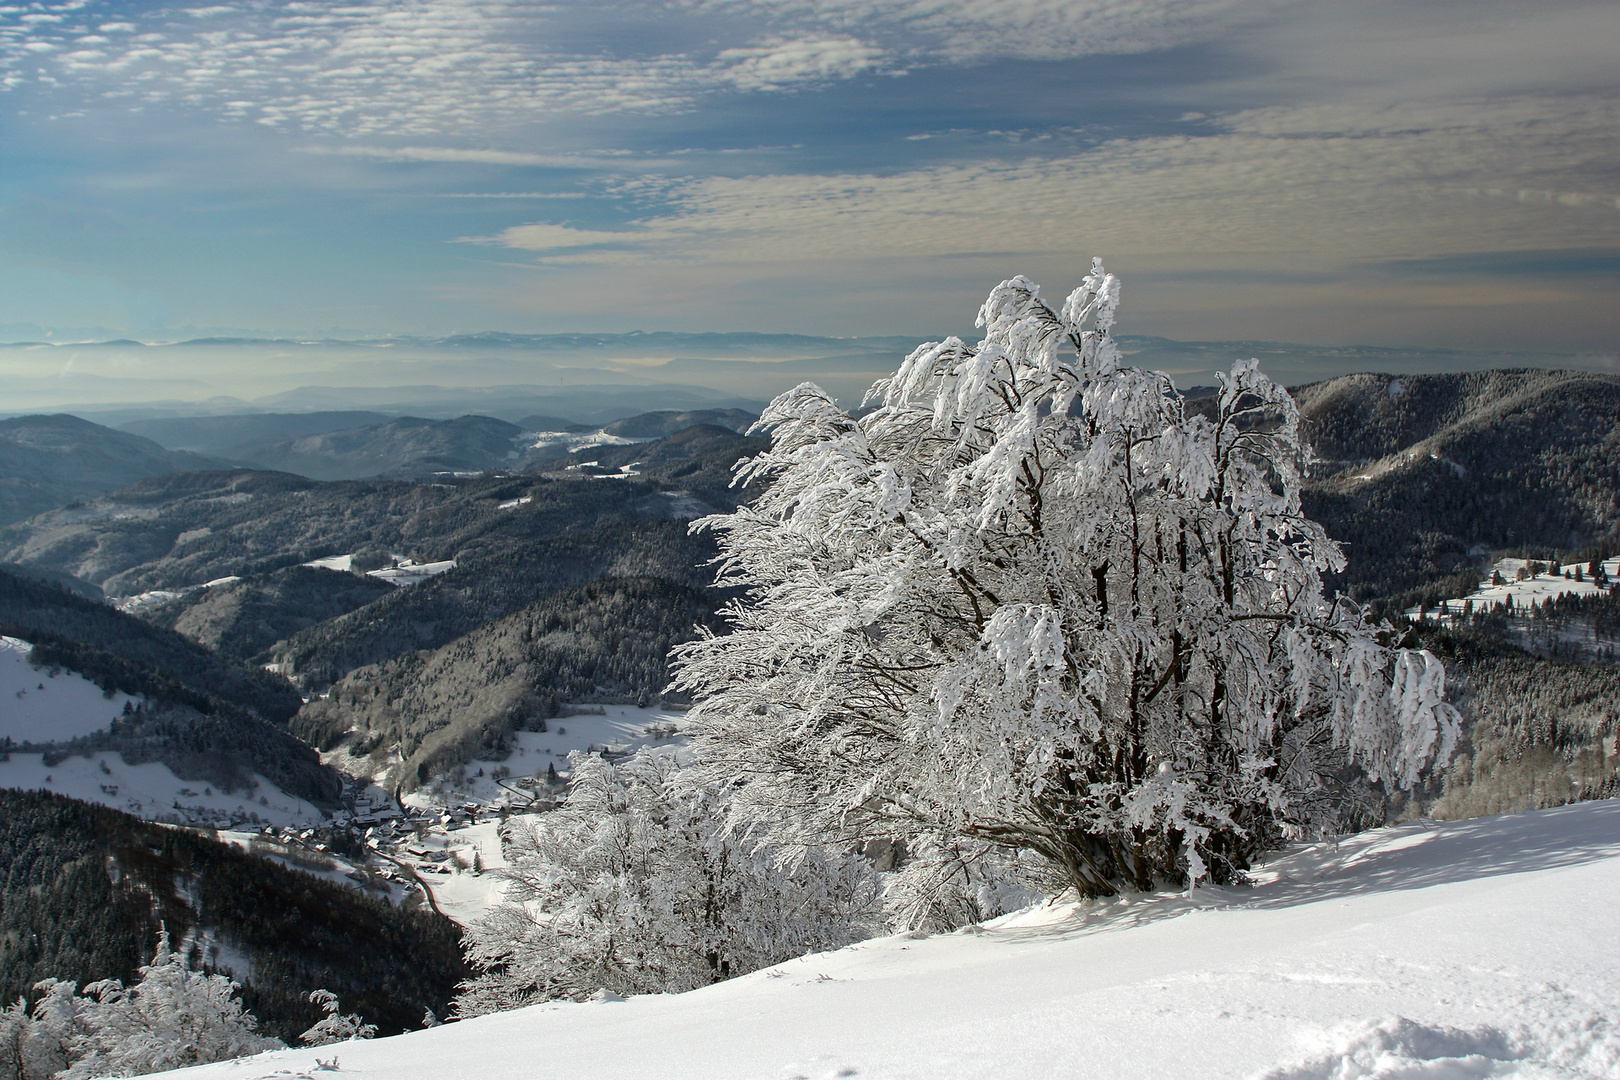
pixel 617 729
pixel 41 706
pixel 131 604
pixel 153 792
pixel 465 890
pixel 408 572
pixel 1469 949
pixel 405 571
pixel 568 442
pixel 1547 585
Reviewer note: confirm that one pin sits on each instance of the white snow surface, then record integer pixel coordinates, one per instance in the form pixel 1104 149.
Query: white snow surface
pixel 1470 949
pixel 412 573
pixel 1547 585
pixel 152 791
pixel 37 706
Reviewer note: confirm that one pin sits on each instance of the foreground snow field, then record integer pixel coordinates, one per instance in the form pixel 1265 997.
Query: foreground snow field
pixel 1480 948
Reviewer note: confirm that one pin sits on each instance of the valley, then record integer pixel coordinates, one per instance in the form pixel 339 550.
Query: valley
pixel 359 660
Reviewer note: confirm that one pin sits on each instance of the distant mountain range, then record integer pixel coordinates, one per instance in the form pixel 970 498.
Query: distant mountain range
pixel 590 378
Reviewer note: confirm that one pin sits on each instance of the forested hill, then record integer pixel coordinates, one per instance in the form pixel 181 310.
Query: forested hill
pixel 1424 475
pixel 162 661
pixel 488 585
pixel 204 716
pixel 406 446
pixel 83 890
pixel 606 641
pixel 179 531
pixel 48 461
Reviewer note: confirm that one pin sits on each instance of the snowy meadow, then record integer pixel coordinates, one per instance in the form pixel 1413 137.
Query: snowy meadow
pixel 1463 950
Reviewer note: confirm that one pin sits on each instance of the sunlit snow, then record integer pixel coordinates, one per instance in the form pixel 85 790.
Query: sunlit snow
pixel 45 705
pixel 1462 950
pixel 152 791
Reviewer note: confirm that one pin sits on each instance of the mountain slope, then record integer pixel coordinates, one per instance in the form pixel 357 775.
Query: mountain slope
pixel 241 619
pixel 232 436
pixel 1465 949
pixel 605 641
pixel 83 890
pixel 49 461
pixel 489 584
pixel 1425 474
pixel 179 531
pixel 173 532
pixel 405 447
pixel 204 717
pixel 29 607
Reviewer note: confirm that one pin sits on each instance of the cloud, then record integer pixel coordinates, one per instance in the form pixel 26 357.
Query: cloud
pixel 1339 184
pixel 407 68
pixel 544 237
pixel 451 154
pixel 782 63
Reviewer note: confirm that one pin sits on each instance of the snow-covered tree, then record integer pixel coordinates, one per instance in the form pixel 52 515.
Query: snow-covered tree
pixel 1035 600
pixel 336 1025
pixel 172 1018
pixel 635 885
pixel 39 1044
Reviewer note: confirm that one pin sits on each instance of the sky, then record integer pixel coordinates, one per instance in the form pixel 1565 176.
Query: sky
pixel 1441 173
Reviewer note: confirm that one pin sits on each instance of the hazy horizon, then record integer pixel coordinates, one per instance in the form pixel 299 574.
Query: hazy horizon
pixel 586 377
pixel 1406 174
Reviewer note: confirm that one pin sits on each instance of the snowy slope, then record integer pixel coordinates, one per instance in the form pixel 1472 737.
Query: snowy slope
pixel 152 791
pixel 37 706
pixel 1467 949
pixel 1550 584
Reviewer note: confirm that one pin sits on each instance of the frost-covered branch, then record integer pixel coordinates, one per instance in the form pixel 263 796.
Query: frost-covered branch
pixel 1031 601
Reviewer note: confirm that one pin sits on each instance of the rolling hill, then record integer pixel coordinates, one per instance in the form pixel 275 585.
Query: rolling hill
pixel 49 461
pixel 1426 475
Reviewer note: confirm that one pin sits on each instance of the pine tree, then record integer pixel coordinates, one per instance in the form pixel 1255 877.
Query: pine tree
pixel 1033 601
pixel 335 1025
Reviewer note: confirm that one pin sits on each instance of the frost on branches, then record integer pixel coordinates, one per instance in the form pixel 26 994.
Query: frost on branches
pixel 635 885
pixel 1032 603
pixel 335 1025
pixel 172 1018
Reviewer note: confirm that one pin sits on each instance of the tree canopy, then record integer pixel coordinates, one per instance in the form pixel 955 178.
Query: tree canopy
pixel 1031 602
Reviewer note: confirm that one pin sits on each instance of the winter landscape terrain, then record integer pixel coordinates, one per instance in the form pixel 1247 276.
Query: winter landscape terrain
pixel 809 538
pixel 1462 950
pixel 445 650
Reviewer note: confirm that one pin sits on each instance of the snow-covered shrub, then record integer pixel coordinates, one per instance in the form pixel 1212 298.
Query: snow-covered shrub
pixel 635 885
pixel 951 883
pixel 39 1044
pixel 336 1025
pixel 173 1017
pixel 1032 600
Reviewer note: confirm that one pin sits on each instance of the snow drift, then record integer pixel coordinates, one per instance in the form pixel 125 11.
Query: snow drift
pixel 1481 948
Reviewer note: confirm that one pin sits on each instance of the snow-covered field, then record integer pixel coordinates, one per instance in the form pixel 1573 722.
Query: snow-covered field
pixel 408 572
pixel 1481 948
pixel 153 792
pixel 619 729
pixel 1521 594
pixel 38 706
pixel 568 442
